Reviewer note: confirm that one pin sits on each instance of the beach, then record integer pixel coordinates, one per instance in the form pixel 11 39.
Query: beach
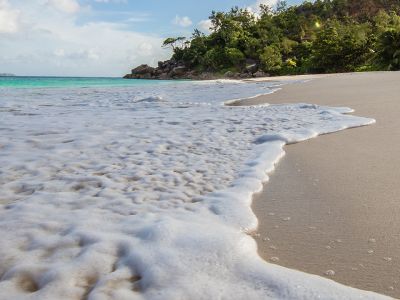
pixel 332 207
pixel 143 189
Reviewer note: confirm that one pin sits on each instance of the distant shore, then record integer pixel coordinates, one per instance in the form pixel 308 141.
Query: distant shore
pixel 7 75
pixel 332 207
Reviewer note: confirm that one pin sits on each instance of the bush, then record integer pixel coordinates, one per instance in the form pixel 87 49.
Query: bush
pixel 388 50
pixel 215 59
pixel 341 47
pixel 235 57
pixel 271 59
pixel 315 36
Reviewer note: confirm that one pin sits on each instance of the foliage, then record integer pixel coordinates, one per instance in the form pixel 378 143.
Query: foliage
pixel 341 47
pixel 171 42
pixel 389 50
pixel 318 36
pixel 271 59
pixel 235 57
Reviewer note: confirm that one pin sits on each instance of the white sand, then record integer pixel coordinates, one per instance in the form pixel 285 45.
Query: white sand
pixel 340 191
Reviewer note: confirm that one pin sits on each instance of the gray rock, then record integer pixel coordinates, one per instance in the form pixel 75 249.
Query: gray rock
pixel 252 68
pixel 206 76
pixel 250 61
pixel 179 71
pixel 229 74
pixel 260 74
pixel 164 76
pixel 143 69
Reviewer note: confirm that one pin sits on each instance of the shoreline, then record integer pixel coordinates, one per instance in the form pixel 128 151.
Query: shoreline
pixel 338 218
pixel 63 201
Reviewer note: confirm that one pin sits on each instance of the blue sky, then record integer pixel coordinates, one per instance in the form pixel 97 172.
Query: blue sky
pixel 96 37
pixel 155 16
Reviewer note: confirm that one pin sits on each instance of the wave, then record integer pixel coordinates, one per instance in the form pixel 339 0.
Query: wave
pixel 150 99
pixel 152 202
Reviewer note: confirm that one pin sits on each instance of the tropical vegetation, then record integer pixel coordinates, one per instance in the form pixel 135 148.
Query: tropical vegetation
pixel 313 37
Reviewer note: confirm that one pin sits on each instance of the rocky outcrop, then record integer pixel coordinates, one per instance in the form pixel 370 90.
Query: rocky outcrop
pixel 142 72
pixel 172 69
pixel 253 68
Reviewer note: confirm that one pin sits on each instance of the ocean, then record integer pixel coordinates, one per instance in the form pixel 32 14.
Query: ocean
pixel 66 82
pixel 130 189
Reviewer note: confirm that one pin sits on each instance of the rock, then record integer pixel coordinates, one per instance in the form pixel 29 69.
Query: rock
pixel 172 69
pixel 252 68
pixel 192 75
pixel 179 71
pixel 260 74
pixel 250 61
pixel 143 69
pixel 164 76
pixel 236 75
pixel 229 74
pixel 157 72
pixel 206 76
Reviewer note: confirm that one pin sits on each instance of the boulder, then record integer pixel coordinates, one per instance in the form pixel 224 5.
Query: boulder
pixel 206 76
pixel 252 68
pixel 229 74
pixel 260 74
pixel 250 61
pixel 163 76
pixel 244 75
pixel 179 71
pixel 143 69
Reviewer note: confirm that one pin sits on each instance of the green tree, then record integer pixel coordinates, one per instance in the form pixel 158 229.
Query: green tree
pixel 315 36
pixel 172 42
pixel 341 47
pixel 235 57
pixel 326 49
pixel 271 59
pixel 388 54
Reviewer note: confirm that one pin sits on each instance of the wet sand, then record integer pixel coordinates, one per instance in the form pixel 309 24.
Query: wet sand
pixel 333 203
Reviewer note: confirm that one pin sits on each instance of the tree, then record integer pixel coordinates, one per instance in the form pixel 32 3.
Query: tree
pixel 172 42
pixel 281 6
pixel 326 49
pixel 315 36
pixel 271 59
pixel 388 54
pixel 341 47
pixel 235 57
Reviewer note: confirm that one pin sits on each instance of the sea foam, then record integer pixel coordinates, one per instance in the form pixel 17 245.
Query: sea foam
pixel 145 192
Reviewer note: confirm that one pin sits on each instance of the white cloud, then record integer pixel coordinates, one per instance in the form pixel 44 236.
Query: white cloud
pixel 255 8
pixel 9 18
pixel 111 1
pixel 51 42
pixel 182 21
pixel 59 52
pixel 80 54
pixel 204 26
pixel 67 6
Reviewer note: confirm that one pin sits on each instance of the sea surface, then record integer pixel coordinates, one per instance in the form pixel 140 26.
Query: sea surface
pixel 66 82
pixel 130 189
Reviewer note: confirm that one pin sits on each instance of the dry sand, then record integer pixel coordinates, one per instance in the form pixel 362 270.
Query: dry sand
pixel 333 202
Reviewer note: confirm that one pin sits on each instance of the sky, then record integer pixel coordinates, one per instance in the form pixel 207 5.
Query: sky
pixel 97 37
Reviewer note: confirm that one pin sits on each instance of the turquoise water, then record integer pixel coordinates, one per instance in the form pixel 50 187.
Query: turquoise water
pixel 65 82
